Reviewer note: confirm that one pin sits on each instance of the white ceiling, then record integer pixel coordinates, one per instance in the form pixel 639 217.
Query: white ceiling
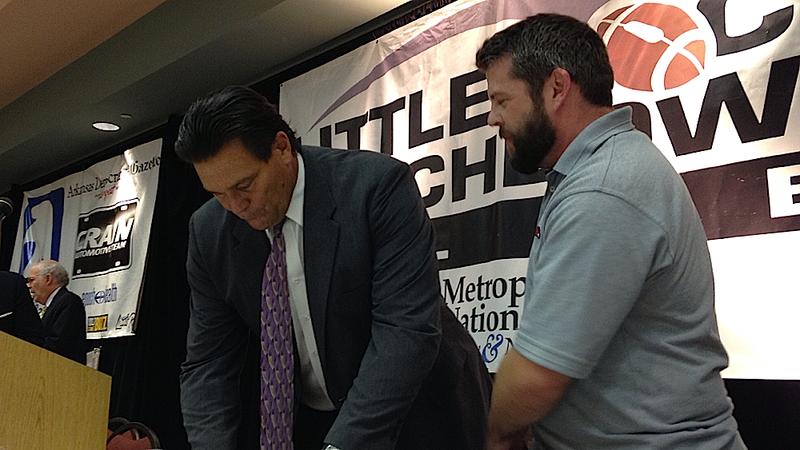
pixel 68 64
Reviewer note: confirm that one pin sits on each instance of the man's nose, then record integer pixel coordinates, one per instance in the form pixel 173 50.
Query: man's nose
pixel 493 119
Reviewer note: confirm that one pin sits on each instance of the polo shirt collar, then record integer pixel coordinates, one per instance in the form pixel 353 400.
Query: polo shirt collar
pixel 592 137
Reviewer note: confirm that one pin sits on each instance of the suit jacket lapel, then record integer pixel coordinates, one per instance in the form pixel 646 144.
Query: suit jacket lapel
pixel 320 237
pixel 54 306
pixel 249 256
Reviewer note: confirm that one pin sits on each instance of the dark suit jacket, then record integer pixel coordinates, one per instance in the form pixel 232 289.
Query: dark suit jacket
pixel 18 316
pixel 388 343
pixel 65 326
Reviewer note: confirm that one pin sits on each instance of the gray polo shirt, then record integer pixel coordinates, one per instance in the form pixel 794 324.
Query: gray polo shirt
pixel 620 296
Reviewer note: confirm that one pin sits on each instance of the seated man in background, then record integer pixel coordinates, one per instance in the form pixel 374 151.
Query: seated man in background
pixel 618 347
pixel 62 313
pixel 17 314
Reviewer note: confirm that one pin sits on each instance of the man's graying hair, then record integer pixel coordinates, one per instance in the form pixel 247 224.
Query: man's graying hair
pixel 54 268
pixel 544 42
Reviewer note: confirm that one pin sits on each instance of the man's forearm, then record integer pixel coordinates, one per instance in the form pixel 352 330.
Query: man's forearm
pixel 524 392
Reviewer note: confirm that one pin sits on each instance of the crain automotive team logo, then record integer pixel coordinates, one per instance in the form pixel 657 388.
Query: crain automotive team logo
pixel 653 47
pixel 103 241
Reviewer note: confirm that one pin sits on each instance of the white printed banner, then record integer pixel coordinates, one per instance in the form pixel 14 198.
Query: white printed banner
pixel 713 82
pixel 96 223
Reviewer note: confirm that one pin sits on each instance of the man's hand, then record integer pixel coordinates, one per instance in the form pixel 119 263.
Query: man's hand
pixel 523 393
pixel 521 442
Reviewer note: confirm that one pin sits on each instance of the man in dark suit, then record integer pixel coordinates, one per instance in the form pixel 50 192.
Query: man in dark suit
pixel 62 313
pixel 383 363
pixel 17 313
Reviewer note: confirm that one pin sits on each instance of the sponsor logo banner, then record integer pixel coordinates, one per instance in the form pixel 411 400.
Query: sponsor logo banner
pixel 712 82
pixel 96 223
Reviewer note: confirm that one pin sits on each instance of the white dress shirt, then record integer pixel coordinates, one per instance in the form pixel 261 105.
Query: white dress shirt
pixel 315 393
pixel 40 307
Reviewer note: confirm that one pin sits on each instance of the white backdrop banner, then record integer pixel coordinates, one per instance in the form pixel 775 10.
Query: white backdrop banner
pixel 713 82
pixel 96 223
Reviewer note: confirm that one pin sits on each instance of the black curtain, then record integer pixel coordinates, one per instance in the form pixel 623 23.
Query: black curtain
pixel 145 367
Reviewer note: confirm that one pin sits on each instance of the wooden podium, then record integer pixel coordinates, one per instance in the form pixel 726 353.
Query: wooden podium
pixel 48 402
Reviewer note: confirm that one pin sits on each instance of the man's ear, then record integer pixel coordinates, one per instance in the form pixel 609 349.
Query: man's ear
pixel 281 144
pixel 558 87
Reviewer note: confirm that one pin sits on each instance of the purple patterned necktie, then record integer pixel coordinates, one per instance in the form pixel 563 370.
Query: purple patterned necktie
pixel 277 362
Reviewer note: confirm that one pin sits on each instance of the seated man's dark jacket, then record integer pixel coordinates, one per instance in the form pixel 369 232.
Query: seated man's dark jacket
pixel 400 369
pixel 18 316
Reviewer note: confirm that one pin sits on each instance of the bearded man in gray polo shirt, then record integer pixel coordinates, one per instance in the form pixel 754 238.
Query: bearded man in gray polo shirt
pixel 618 346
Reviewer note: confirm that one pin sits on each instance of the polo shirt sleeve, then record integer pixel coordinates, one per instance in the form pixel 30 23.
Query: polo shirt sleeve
pixel 586 270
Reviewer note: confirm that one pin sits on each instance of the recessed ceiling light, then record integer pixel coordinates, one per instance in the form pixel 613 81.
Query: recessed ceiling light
pixel 106 126
pixel 126 116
